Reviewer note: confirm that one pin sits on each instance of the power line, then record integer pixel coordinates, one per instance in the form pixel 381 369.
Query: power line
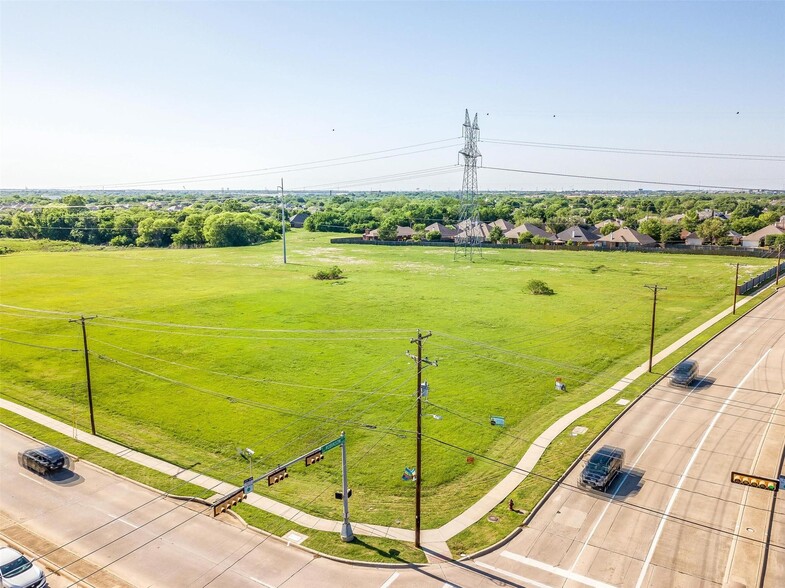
pixel 634 151
pixel 632 181
pixel 277 169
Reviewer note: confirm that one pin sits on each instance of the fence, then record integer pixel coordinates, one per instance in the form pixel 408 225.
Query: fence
pixel 761 279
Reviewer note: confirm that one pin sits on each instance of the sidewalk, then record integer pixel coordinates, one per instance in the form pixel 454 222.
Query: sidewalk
pixel 432 539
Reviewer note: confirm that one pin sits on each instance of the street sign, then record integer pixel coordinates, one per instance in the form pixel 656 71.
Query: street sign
pixel 497 420
pixel 332 444
pixel 782 482
pixel 339 495
pixel 248 485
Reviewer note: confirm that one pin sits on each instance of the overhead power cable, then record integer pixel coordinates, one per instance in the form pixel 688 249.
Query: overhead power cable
pixel 629 180
pixel 295 167
pixel 634 151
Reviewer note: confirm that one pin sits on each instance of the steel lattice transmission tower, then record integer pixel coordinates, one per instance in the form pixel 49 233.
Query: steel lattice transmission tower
pixel 471 234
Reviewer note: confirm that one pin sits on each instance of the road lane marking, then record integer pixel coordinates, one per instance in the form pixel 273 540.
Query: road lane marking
pixel 390 580
pixel 570 575
pixel 528 581
pixel 672 501
pixel 620 485
pixel 39 482
pixel 743 504
pixel 258 581
pixel 119 518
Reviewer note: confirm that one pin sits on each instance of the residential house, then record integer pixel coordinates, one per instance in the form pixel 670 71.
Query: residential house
pixel 577 234
pixel 401 234
pixel 756 239
pixel 534 230
pixel 625 237
pixel 735 236
pixel 502 224
pixel 692 239
pixel 477 232
pixel 298 220
pixel 447 234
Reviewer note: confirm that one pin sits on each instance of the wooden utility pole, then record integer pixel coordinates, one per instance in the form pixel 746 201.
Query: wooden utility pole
pixel 736 289
pixel 655 288
pixel 283 223
pixel 418 479
pixel 87 367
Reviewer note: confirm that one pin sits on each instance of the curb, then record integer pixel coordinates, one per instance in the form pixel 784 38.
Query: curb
pixel 599 435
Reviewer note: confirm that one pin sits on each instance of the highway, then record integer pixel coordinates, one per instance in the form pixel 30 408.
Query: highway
pixel 671 518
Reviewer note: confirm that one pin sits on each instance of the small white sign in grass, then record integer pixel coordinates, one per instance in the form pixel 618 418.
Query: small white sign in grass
pixel 578 431
pixel 622 402
pixel 296 538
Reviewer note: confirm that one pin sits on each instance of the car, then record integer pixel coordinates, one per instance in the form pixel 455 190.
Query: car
pixel 684 373
pixel 602 468
pixel 16 571
pixel 44 460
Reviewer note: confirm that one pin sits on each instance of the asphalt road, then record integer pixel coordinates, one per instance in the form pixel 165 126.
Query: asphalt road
pixel 681 446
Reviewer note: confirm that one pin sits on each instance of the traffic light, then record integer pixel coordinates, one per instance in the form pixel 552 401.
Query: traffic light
pixel 314 457
pixel 228 501
pixel 754 481
pixel 277 476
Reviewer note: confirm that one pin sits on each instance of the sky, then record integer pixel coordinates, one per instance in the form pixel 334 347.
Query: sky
pixel 162 95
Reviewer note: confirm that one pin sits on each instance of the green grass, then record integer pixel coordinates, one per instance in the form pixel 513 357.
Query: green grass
pixel 565 449
pixel 298 389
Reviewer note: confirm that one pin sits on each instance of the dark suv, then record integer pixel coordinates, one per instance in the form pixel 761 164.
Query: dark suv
pixel 684 373
pixel 602 468
pixel 45 460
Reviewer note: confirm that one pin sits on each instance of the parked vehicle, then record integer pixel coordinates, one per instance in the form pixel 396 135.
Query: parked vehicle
pixel 44 460
pixel 602 468
pixel 16 571
pixel 684 373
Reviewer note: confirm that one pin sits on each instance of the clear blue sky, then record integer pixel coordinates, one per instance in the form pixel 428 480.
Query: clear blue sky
pixel 99 93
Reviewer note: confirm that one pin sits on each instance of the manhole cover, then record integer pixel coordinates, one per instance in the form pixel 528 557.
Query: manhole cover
pixel 493 519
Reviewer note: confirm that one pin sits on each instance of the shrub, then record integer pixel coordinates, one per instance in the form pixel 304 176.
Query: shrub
pixel 334 273
pixel 539 287
pixel 433 235
pixel 539 240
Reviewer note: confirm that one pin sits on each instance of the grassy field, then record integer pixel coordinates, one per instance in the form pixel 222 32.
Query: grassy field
pixel 195 353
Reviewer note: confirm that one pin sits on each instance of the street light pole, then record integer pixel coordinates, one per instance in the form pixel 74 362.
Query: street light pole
pixel 655 288
pixel 347 536
pixel 283 223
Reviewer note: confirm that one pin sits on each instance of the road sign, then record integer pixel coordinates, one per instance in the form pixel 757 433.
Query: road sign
pixel 332 444
pixel 248 485
pixel 339 495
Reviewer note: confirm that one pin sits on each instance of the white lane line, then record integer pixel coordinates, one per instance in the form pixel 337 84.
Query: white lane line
pixel 745 496
pixel 686 472
pixel 556 571
pixel 620 485
pixel 258 581
pixel 120 519
pixel 528 582
pixel 39 482
pixel 390 580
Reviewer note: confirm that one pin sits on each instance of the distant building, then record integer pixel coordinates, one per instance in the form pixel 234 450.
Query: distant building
pixel 401 234
pixel 693 239
pixel 578 234
pixel 534 230
pixel 446 233
pixel 625 238
pixel 298 220
pixel 756 239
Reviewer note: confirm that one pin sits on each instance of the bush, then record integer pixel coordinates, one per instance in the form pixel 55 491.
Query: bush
pixel 539 287
pixel 334 273
pixel 539 240
pixel 433 236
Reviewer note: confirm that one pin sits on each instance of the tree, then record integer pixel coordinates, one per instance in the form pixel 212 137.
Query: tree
pixel 537 240
pixel 191 231
pixel 651 227
pixel 388 230
pixel 25 226
pixel 232 229
pixel 525 237
pixel 669 233
pixel 433 236
pixel 712 229
pixel 608 229
pixel 496 234
pixel 156 232
pixel 747 225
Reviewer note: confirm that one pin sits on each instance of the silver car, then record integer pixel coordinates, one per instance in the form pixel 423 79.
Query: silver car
pixel 16 571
